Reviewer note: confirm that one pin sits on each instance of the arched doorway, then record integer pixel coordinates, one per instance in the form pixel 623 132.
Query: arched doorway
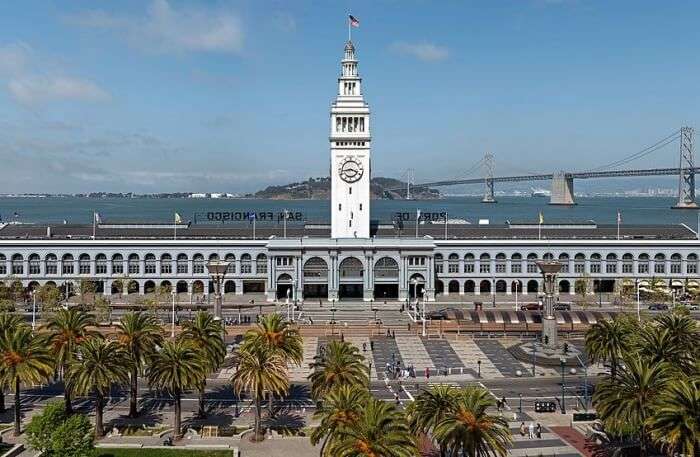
pixel 285 287
pixel 485 287
pixel 386 279
pixel 351 277
pixel 416 286
pixel 149 287
pixel 315 278
pixel 230 287
pixel 453 287
pixel 564 286
pixel 469 286
pixel 439 287
pixel 533 286
pixel 181 287
pixel 198 287
pixel 501 286
pixel 516 286
pixel 133 287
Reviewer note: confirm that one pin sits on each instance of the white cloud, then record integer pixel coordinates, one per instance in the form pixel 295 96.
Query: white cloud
pixel 30 83
pixel 164 29
pixel 426 52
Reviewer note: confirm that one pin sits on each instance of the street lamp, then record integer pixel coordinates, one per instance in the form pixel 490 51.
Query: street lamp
pixel 520 405
pixel 562 361
pixel 33 309
pixel 478 365
pixel 639 316
pixel 217 271
pixel 172 326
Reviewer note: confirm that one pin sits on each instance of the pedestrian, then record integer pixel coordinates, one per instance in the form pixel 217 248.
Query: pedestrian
pixel 499 405
pixel 504 402
pixel 531 430
pixel 393 334
pixel 427 373
pixel 409 326
pixel 388 333
pixel 522 429
pixel 364 347
pixel 393 357
pixel 396 398
pixel 320 303
pixel 342 337
pixel 539 431
pixel 371 345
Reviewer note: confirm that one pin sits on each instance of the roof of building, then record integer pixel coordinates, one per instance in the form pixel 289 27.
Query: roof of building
pixel 565 231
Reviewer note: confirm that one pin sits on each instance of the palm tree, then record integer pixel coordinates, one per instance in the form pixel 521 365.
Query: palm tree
pixel 25 358
pixel 470 429
pixel 625 402
pixel 675 423
pixel 139 334
pixel 606 341
pixel 339 364
pixel 684 331
pixel 381 430
pixel 206 334
pixel 98 364
pixel 430 408
pixel 8 322
pixel 260 370
pixel 175 368
pixel 277 335
pixel 67 329
pixel 656 344
pixel 340 409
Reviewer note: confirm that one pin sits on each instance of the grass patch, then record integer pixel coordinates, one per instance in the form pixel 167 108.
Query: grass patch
pixel 162 453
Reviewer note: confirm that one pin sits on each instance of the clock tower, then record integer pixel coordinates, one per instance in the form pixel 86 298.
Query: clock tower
pixel 350 154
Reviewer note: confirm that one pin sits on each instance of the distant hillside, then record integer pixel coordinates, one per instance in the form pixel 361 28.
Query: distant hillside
pixel 319 189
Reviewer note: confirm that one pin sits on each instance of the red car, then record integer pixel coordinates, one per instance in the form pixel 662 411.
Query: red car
pixel 532 307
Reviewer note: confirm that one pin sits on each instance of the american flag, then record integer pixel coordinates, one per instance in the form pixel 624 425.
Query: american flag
pixel 353 21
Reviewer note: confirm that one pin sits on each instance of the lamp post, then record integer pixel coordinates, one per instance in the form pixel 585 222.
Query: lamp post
pixel 520 404
pixel 478 366
pixel 172 326
pixel 33 309
pixel 639 315
pixel 585 382
pixel 217 271
pixel 562 362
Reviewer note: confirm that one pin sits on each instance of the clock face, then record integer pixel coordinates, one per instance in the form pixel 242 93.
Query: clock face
pixel 350 170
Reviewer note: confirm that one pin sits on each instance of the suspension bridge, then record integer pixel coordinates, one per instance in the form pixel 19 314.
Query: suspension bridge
pixel 562 187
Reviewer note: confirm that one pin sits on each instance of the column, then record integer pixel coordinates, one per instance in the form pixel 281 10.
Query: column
pixel 299 277
pixel 333 276
pixel 271 280
pixel 429 292
pixel 403 278
pixel 368 292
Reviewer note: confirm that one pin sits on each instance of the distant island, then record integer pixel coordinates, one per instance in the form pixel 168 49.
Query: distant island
pixel 320 189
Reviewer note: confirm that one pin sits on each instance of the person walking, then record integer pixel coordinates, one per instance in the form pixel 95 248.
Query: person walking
pixel 522 429
pixel 531 430
pixel 427 374
pixel 538 431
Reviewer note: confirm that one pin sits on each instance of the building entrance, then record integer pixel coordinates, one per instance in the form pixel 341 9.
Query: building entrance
pixel 386 291
pixel 350 291
pixel 253 287
pixel 315 291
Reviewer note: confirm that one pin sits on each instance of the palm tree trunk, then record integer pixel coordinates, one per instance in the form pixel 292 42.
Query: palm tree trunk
pixel 258 413
pixel 202 387
pixel 66 393
pixel 2 400
pixel 99 405
pixel 17 411
pixel 134 390
pixel 176 427
pixel 323 446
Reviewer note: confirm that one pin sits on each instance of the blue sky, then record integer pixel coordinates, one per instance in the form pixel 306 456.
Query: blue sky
pixel 172 95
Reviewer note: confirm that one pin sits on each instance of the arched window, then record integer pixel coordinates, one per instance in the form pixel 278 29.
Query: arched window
pixel 198 264
pixel 117 264
pixel 627 263
pixel 532 263
pixel 564 260
pixel 182 265
pixel 315 268
pixel 351 267
pixel 17 264
pixel 100 264
pixel 548 256
pixel 516 263
pixel 469 263
pixel 676 264
pixel 67 264
pixel 691 266
pixel 386 268
pixel 501 263
pixel 34 264
pixel 3 264
pixel 149 264
pixel 214 257
pixel 246 264
pixel 643 263
pixel 595 263
pixel 261 264
pixel 611 263
pixel 51 264
pixel 166 264
pixel 134 267
pixel 231 259
pixel 579 263
pixel 84 264
pixel 453 263
pixel 439 264
pixel 484 263
pixel 659 263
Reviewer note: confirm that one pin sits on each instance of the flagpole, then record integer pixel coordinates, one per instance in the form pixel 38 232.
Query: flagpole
pixel 94 225
pixel 446 224
pixel 618 224
pixel 349 28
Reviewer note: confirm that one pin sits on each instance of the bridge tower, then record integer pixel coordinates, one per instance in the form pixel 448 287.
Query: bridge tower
pixel 686 172
pixel 489 167
pixel 410 180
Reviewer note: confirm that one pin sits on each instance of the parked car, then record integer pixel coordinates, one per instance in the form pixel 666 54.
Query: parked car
pixel 658 307
pixel 532 307
pixel 694 307
pixel 562 306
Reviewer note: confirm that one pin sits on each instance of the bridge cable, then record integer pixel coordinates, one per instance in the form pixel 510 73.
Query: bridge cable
pixel 638 155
